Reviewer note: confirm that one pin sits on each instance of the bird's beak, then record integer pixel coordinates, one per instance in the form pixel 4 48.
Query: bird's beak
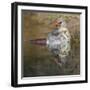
pixel 56 23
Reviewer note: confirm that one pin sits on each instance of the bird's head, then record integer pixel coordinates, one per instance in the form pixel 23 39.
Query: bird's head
pixel 59 22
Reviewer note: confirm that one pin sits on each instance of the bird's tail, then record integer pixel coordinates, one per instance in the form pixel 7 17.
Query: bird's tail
pixel 41 42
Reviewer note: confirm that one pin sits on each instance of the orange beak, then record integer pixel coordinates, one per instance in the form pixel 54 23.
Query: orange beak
pixel 56 23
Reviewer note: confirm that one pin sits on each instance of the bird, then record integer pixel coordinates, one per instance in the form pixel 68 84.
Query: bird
pixel 57 41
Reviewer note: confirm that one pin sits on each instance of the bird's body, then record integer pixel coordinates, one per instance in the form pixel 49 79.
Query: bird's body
pixel 58 42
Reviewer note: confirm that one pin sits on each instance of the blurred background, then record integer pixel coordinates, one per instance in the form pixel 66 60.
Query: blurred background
pixel 37 60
